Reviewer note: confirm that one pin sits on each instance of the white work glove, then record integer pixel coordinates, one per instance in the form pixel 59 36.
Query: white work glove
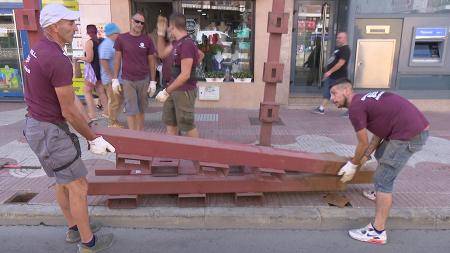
pixel 162 96
pixel 116 86
pixel 99 146
pixel 151 88
pixel 347 171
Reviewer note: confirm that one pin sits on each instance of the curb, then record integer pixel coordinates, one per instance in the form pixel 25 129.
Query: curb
pixel 310 218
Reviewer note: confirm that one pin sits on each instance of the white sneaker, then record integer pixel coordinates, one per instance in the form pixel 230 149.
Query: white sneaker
pixel 368 234
pixel 372 195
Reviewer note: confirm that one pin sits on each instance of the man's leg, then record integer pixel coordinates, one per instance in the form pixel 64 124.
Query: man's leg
pixel 193 133
pixel 383 206
pixel 131 120
pixel 140 118
pixel 62 196
pixel 100 90
pixel 79 208
pixel 172 130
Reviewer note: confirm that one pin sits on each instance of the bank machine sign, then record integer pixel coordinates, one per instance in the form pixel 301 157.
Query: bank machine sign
pixel 438 32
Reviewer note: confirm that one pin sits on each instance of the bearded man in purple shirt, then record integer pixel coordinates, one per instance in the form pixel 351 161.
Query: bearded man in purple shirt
pixel 399 130
pixel 51 103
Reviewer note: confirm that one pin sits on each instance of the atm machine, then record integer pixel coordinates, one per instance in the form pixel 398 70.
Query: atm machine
pixel 428 46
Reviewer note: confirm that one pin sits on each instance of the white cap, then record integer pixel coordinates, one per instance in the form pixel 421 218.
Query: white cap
pixel 53 13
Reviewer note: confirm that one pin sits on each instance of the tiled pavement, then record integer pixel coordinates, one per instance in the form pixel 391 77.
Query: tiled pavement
pixel 423 183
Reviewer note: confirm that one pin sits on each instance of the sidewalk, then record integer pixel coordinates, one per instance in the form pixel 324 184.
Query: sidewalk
pixel 421 199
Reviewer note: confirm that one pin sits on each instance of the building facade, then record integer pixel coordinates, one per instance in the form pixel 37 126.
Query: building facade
pixel 398 45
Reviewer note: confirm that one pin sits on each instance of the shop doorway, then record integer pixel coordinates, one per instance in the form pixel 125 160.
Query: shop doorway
pixel 313 38
pixel 151 10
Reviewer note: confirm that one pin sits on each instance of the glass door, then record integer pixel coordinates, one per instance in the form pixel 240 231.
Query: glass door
pixel 10 68
pixel 311 43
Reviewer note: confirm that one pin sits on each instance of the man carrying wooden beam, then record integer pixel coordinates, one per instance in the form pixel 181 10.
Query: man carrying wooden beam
pixel 401 129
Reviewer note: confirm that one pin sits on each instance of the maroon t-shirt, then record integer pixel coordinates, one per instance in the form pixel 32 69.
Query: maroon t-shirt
pixel 135 51
pixel 167 67
pixel 46 68
pixel 185 48
pixel 387 115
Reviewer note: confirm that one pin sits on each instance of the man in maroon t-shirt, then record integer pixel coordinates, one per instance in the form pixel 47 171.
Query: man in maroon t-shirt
pixel 179 97
pixel 136 53
pixel 400 128
pixel 51 103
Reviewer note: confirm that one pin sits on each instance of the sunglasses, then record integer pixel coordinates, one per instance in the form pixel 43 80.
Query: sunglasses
pixel 139 22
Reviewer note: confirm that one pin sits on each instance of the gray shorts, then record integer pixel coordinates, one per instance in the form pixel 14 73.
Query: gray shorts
pixel 54 149
pixel 392 155
pixel 135 96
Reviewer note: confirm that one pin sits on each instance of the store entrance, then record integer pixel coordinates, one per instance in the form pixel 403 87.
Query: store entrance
pixel 313 38
pixel 151 10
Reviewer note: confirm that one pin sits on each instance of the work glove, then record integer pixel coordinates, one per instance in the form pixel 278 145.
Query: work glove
pixel 162 96
pixel 116 86
pixel 347 172
pixel 99 146
pixel 162 26
pixel 151 88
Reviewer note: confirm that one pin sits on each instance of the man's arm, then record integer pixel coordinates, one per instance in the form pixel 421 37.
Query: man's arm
pixel 117 62
pixel 106 68
pixel 152 66
pixel 373 145
pixel 163 50
pixel 361 147
pixel 186 67
pixel 201 55
pixel 71 113
pixel 335 68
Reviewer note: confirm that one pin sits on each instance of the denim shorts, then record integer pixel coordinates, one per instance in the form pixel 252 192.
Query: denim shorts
pixel 135 96
pixel 392 155
pixel 326 88
pixel 54 148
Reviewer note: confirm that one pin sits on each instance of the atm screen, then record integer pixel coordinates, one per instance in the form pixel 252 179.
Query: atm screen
pixel 426 50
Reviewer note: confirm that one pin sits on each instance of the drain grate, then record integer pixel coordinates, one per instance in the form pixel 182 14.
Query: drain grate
pixel 254 121
pixel 21 197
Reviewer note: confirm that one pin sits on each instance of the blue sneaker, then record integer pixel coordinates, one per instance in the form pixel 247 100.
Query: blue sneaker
pixel 318 111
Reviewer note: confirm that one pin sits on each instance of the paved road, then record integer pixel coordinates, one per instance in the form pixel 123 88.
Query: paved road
pixel 40 239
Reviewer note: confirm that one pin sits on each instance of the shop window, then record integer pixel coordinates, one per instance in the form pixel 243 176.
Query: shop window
pixel 224 31
pixel 10 75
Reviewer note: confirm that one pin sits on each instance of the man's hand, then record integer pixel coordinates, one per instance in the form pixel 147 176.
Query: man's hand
pixel 151 88
pixel 347 171
pixel 327 74
pixel 162 96
pixel 99 146
pixel 116 86
pixel 162 26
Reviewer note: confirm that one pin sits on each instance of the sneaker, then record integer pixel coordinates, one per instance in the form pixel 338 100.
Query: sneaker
pixel 368 234
pixel 73 236
pixel 99 107
pixel 318 111
pixel 102 242
pixel 372 195
pixel 104 115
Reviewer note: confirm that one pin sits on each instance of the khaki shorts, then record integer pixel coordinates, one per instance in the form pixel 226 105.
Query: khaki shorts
pixel 54 148
pixel 178 110
pixel 135 96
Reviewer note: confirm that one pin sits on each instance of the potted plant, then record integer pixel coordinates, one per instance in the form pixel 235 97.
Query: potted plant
pixel 243 77
pixel 215 76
